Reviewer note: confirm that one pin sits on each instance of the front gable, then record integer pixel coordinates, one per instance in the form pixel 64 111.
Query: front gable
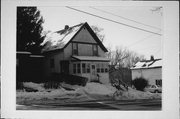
pixel 84 36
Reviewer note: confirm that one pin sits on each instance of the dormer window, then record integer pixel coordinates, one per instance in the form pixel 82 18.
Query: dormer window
pixel 75 49
pixel 95 50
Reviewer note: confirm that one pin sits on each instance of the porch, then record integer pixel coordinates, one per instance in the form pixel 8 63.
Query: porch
pixel 92 67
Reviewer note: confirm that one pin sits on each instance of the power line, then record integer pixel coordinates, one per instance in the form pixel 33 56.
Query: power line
pixel 125 18
pixel 149 36
pixel 113 21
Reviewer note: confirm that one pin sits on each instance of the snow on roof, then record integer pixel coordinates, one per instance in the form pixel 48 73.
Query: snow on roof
pixel 148 64
pixel 91 58
pixel 58 39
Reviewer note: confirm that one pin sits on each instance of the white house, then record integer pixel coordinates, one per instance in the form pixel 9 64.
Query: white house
pixel 150 70
pixel 77 51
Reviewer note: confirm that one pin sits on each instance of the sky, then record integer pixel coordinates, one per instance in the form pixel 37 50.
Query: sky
pixel 116 34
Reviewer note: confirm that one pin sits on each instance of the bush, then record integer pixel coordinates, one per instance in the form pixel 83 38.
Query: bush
pixel 140 83
pixel 52 85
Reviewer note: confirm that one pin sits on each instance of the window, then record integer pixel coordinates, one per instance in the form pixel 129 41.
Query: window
pixel 75 49
pixel 74 68
pixel 88 68
pixel 83 68
pixel 78 68
pixel 52 63
pixel 95 50
pixel 102 68
pixel 106 68
pixel 159 82
pixel 98 68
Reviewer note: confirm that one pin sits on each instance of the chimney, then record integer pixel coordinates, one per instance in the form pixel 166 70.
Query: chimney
pixel 66 27
pixel 152 58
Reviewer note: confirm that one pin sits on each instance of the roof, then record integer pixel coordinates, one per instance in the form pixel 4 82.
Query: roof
pixel 148 64
pixel 90 58
pixel 60 39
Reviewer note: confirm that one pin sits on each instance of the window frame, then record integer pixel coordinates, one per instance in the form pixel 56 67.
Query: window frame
pixel 84 68
pixel 74 68
pixel 95 52
pixel 75 51
pixel 88 68
pixel 78 68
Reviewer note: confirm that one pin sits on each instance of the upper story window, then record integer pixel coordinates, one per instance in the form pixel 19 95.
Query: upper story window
pixel 95 50
pixel 75 49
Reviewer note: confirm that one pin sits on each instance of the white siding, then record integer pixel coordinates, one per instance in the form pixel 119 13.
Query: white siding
pixel 151 74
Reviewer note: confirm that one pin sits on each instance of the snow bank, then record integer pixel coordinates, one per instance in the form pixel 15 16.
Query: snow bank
pixel 96 88
pixel 97 91
pixel 35 86
pixel 90 92
pixel 135 94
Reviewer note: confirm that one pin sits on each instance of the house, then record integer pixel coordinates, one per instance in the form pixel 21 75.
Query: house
pixel 76 51
pixel 150 70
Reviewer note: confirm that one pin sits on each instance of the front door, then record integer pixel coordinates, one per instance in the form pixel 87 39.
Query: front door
pixel 93 72
pixel 64 67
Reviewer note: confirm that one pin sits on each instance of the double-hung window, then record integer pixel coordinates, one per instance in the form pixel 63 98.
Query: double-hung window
pixel 102 68
pixel 74 68
pixel 75 49
pixel 78 68
pixel 98 67
pixel 83 68
pixel 88 68
pixel 95 50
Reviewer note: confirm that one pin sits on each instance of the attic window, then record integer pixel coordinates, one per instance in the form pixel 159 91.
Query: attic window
pixel 75 49
pixel 95 50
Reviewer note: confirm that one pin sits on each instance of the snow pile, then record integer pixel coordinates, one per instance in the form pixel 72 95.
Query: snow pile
pixel 96 88
pixel 68 86
pixel 135 94
pixel 98 91
pixel 90 92
pixel 35 86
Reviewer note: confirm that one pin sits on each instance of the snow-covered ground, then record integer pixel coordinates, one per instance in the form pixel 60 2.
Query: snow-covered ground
pixel 92 91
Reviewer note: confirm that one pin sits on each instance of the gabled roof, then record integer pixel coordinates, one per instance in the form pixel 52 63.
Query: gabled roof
pixel 60 39
pixel 148 64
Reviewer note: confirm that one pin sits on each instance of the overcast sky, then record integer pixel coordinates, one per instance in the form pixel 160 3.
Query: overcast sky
pixel 115 34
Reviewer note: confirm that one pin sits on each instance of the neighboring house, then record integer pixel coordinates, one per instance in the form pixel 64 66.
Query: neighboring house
pixel 77 51
pixel 150 70
pixel 29 67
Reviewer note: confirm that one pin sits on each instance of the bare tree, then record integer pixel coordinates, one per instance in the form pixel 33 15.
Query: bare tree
pixel 97 30
pixel 122 60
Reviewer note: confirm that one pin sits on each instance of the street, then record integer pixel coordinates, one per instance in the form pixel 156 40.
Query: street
pixel 146 104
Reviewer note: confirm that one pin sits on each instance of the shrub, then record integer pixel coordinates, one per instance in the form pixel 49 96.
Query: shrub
pixel 140 83
pixel 52 85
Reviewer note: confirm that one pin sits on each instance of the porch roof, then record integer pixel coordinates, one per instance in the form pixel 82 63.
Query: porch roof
pixel 90 58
